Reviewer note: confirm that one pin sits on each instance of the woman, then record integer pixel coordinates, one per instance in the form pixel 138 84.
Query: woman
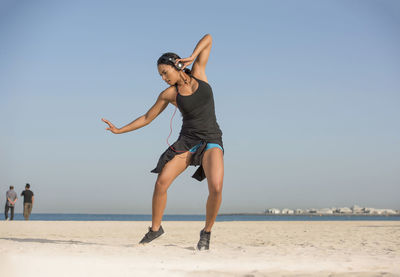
pixel 200 139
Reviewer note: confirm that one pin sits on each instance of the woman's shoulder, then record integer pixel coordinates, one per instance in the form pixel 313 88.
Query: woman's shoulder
pixel 169 93
pixel 169 90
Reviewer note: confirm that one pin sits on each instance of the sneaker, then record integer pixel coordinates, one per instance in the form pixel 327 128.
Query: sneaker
pixel 151 235
pixel 204 242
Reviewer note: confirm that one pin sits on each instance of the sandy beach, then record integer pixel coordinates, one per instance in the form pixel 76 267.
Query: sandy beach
pixel 305 248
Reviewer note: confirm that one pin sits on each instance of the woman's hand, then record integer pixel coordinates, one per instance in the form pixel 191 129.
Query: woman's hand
pixel 186 61
pixel 111 127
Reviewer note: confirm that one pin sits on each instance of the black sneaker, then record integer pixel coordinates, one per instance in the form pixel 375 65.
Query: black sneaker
pixel 204 242
pixel 151 235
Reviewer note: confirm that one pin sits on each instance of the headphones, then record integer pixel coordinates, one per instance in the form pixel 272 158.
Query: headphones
pixel 178 66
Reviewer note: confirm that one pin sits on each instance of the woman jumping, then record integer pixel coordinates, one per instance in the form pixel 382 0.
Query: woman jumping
pixel 200 139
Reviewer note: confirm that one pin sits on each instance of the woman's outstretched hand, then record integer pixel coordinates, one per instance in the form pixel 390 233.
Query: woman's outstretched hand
pixel 186 61
pixel 111 127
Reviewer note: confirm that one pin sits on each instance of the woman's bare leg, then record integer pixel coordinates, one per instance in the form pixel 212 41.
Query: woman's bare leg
pixel 170 171
pixel 213 165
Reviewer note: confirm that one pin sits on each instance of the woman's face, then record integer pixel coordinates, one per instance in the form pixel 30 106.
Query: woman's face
pixel 168 74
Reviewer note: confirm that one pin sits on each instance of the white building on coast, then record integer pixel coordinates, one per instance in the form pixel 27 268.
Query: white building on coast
pixel 344 210
pixel 287 211
pixel 273 211
pixel 357 209
pixel 354 210
pixel 325 211
pixel 379 211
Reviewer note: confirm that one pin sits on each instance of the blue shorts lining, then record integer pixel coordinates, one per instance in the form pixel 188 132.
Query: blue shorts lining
pixel 208 146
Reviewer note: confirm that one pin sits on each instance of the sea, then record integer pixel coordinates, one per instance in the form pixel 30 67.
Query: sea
pixel 220 218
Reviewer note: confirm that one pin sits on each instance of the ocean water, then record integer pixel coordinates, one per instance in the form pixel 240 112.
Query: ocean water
pixel 233 217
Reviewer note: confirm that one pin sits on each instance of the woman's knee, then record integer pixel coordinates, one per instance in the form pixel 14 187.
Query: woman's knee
pixel 162 185
pixel 215 187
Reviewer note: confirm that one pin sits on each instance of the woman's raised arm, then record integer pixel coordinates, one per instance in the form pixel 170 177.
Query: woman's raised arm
pixel 162 102
pixel 200 57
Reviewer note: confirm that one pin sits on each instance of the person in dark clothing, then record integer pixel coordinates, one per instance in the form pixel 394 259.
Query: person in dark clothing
pixel 11 199
pixel 28 201
pixel 200 139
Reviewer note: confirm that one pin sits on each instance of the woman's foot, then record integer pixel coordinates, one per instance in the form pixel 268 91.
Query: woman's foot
pixel 204 242
pixel 152 235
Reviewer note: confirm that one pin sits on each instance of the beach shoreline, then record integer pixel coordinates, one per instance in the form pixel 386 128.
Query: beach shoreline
pixel 251 248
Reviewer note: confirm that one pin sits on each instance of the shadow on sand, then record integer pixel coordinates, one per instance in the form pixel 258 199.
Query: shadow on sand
pixel 51 241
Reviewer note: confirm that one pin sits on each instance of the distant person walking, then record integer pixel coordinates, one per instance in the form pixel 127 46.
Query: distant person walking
pixel 28 201
pixel 11 196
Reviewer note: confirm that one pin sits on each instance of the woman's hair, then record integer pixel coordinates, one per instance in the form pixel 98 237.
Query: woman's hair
pixel 165 59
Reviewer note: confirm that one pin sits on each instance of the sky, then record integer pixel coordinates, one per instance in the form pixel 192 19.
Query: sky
pixel 307 94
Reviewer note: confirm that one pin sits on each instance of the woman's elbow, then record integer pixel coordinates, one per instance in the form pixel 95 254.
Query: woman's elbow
pixel 147 119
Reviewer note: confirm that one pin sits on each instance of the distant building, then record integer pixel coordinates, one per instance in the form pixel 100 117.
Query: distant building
pixel 389 211
pixel 371 211
pixel 312 211
pixel 380 211
pixel 273 211
pixel 325 211
pixel 287 211
pixel 344 210
pixel 357 209
pixel 298 211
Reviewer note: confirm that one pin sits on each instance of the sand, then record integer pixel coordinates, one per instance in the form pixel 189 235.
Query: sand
pixel 269 248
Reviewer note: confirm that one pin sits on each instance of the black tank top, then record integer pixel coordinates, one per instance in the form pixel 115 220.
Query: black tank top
pixel 199 127
pixel 198 112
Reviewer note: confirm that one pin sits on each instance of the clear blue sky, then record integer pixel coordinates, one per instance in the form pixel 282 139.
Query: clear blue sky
pixel 307 95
